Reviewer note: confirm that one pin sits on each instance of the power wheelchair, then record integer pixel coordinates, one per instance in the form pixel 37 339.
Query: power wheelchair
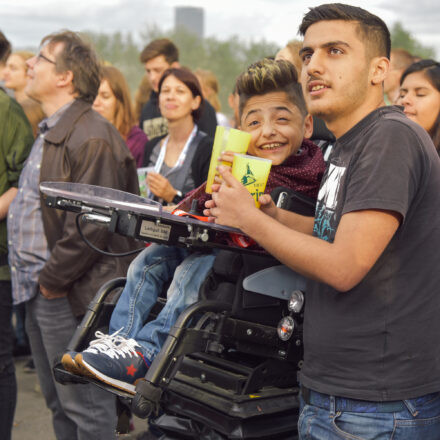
pixel 228 368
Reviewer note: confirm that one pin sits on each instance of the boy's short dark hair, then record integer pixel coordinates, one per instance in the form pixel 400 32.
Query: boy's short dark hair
pixel 372 29
pixel 78 57
pixel 268 76
pixel 5 48
pixel 162 46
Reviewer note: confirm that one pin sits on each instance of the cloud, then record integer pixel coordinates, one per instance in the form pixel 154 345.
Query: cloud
pixel 25 22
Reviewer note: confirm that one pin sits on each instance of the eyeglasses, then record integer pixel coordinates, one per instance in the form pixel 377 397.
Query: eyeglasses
pixel 40 56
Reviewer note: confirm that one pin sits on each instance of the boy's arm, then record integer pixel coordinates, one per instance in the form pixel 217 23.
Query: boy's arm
pixel 361 237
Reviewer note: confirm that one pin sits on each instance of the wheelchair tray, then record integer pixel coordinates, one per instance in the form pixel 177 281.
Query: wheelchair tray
pixel 134 216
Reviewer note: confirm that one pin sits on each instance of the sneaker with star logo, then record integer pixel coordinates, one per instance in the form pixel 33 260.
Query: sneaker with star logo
pixel 120 366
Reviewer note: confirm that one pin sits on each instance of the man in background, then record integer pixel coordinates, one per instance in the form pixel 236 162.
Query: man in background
pixel 53 271
pixel 5 51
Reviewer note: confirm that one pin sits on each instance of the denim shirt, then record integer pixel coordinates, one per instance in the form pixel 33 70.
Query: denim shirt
pixel 28 250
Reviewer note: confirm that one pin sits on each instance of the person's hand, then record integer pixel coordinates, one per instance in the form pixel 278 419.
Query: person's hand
pixel 49 294
pixel 268 206
pixel 160 186
pixel 231 204
pixel 226 156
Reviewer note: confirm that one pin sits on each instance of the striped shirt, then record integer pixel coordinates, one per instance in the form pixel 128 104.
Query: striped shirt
pixel 28 250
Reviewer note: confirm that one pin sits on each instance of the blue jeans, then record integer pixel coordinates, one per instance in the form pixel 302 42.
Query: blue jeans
pixel 147 275
pixel 416 419
pixel 79 412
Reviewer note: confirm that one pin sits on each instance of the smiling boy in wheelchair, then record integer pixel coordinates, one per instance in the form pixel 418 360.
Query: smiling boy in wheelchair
pixel 273 111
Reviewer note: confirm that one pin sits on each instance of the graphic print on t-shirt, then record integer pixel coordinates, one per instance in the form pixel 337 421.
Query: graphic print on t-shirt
pixel 328 197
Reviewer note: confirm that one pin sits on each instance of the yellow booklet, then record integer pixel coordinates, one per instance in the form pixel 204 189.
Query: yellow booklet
pixel 226 139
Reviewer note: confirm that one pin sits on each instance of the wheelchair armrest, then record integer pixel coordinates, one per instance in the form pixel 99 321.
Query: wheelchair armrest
pixel 276 281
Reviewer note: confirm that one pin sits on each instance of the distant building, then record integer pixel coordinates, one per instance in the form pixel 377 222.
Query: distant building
pixel 191 19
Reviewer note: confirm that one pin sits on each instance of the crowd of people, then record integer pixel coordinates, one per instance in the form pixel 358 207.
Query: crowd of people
pixel 371 167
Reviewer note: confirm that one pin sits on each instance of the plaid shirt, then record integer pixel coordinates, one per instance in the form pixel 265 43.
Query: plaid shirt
pixel 28 250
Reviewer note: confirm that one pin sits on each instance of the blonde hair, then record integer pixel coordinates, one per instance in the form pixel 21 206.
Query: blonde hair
pixel 293 47
pixel 210 86
pixel 24 55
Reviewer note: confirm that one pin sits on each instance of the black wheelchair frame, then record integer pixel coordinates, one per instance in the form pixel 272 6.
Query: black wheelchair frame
pixel 219 375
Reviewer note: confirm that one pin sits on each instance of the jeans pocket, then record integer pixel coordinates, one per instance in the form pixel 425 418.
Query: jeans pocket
pixel 356 426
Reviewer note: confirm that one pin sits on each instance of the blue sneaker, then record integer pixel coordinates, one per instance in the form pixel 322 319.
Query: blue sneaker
pixel 102 343
pixel 120 366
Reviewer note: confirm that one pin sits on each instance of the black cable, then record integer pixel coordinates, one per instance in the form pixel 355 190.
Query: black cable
pixel 92 246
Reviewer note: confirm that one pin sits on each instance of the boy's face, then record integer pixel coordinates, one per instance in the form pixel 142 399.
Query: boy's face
pixel 276 125
pixel 335 73
pixel 155 69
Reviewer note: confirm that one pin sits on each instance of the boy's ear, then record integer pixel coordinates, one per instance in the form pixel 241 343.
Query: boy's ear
pixel 308 126
pixel 380 67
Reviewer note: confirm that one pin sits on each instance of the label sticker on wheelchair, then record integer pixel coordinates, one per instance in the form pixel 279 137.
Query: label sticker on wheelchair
pixel 154 230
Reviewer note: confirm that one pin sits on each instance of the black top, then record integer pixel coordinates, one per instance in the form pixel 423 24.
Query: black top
pixel 380 340
pixel 200 162
pixel 155 125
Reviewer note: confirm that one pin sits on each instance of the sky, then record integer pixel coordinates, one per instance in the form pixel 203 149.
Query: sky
pixel 25 22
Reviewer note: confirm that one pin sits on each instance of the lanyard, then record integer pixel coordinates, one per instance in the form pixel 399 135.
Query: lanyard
pixel 181 159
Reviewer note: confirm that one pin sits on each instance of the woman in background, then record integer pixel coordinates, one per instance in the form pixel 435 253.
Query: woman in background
pixel 16 79
pixel 113 102
pixel 420 96
pixel 16 74
pixel 180 159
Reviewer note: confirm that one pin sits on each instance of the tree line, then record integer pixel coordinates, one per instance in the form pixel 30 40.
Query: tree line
pixel 227 58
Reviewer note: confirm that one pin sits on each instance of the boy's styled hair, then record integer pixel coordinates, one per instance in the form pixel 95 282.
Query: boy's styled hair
pixel 162 46
pixel 268 76
pixel 78 57
pixel 372 29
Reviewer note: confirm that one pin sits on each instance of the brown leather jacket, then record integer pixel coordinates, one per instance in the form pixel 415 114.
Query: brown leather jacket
pixel 83 147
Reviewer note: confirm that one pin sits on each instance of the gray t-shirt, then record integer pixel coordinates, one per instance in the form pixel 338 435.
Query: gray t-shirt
pixel 380 341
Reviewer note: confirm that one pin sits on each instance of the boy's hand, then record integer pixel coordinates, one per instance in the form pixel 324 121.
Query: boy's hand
pixel 231 204
pixel 226 156
pixel 267 205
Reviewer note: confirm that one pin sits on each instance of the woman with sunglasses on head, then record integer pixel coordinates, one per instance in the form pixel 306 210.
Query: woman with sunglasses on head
pixel 420 96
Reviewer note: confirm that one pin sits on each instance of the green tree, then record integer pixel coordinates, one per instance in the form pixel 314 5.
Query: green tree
pixel 401 38
pixel 226 58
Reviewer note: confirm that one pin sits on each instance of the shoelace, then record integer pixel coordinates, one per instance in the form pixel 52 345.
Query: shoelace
pixel 125 347
pixel 104 342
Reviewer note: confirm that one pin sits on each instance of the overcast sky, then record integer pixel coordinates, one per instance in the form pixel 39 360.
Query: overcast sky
pixel 25 22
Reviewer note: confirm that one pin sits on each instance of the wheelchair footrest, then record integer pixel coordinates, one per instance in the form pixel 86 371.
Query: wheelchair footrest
pixel 67 378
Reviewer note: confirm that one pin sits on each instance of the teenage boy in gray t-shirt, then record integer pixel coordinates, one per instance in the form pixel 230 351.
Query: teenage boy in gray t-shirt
pixel 371 330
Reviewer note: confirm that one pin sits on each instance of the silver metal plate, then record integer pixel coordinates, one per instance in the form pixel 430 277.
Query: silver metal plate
pixel 154 230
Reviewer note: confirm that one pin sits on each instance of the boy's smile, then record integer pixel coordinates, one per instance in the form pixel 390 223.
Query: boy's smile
pixel 276 125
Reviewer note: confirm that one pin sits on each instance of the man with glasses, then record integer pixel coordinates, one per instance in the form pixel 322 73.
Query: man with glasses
pixel 52 269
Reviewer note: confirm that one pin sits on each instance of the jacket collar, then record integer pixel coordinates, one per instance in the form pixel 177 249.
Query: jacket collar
pixel 64 126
